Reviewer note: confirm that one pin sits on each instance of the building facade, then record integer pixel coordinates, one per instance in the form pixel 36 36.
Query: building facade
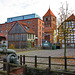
pixel 36 24
pixel 20 34
pixel 69 25
pixel 50 25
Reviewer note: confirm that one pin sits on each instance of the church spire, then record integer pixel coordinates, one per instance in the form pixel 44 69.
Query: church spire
pixel 49 6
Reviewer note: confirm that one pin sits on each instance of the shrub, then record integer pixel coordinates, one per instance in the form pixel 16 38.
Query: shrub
pixel 11 46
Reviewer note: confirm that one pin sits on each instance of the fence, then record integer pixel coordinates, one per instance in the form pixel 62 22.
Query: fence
pixel 9 71
pixel 22 59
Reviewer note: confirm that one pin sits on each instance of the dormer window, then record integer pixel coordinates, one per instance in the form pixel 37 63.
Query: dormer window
pixel 11 24
pixel 28 22
pixel 46 19
pixel 1 31
pixel 6 25
pixel 26 27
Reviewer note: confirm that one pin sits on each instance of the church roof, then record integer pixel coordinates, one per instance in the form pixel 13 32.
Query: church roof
pixel 49 12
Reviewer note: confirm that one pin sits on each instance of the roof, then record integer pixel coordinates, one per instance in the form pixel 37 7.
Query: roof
pixel 24 24
pixel 49 12
pixel 71 18
pixel 7 23
pixel 3 36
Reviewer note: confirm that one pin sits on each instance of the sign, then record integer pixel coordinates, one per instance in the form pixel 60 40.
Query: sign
pixel 47 44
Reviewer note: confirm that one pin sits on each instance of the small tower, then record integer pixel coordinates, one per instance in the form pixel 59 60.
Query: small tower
pixel 50 25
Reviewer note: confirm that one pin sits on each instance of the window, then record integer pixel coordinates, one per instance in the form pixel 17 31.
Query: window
pixel 39 22
pixel 28 36
pixel 46 19
pixel 1 31
pixel 6 30
pixel 42 34
pixel 53 19
pixel 42 23
pixel 40 40
pixel 11 24
pixel 26 27
pixel 40 27
pixel 39 33
pixel 28 22
pixel 1 26
pixel 5 35
pixel 33 36
pixel 74 22
pixel 6 25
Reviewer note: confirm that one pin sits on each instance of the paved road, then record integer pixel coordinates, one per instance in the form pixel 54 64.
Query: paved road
pixel 53 53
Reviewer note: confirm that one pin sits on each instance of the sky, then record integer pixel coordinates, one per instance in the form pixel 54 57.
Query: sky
pixel 13 8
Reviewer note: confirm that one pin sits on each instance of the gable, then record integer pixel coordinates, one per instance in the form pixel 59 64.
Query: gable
pixel 17 29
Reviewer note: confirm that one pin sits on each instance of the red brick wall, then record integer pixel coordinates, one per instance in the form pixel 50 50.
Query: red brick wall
pixel 51 22
pixel 3 28
pixel 34 24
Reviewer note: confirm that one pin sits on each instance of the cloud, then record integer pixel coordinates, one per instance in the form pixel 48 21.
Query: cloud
pixel 12 8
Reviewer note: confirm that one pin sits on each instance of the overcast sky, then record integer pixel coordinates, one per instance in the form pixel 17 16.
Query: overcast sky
pixel 12 8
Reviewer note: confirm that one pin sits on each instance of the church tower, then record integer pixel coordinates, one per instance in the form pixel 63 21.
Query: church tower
pixel 50 25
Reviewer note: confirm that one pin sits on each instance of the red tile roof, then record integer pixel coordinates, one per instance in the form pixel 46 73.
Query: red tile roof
pixel 2 36
pixel 71 18
pixel 49 12
pixel 28 31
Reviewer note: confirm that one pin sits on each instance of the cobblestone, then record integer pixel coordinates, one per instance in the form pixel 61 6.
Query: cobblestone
pixel 46 53
pixel 52 53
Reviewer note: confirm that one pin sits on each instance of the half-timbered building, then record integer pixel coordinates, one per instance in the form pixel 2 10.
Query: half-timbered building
pixel 69 25
pixel 19 34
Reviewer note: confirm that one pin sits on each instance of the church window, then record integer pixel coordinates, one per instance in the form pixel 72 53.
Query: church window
pixel 46 19
pixel 49 18
pixel 53 19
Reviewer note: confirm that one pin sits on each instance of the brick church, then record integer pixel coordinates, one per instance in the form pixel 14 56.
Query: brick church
pixel 50 25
